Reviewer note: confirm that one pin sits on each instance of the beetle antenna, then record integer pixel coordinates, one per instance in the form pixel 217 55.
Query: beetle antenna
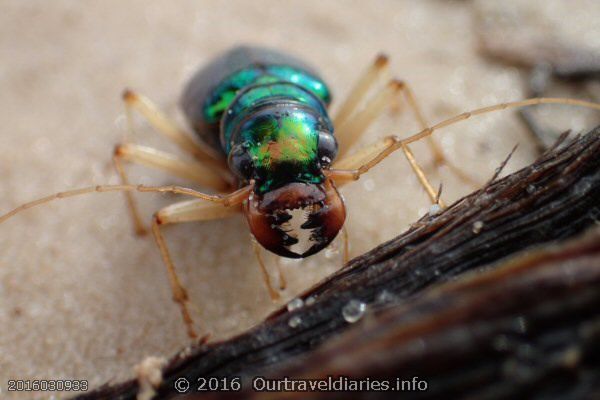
pixel 502 106
pixel 116 188
pixel 380 150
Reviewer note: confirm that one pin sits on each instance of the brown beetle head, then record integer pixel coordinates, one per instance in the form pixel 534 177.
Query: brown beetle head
pixel 296 220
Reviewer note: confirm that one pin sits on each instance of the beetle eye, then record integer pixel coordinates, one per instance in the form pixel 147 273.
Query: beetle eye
pixel 327 148
pixel 240 162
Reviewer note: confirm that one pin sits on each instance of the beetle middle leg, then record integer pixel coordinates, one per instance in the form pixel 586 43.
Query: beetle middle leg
pixel 150 157
pixel 208 168
pixel 203 153
pixel 358 159
pixel 351 168
pixel 353 126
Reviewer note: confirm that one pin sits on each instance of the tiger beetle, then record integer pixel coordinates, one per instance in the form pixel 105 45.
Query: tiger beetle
pixel 267 148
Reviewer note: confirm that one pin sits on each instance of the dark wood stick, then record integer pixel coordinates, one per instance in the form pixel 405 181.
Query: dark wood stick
pixel 476 336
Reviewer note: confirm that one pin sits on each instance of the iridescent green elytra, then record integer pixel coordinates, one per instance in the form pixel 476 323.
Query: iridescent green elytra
pixel 271 119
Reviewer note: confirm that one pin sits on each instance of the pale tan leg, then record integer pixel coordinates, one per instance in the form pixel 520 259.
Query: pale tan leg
pixel 357 124
pixel 352 126
pixel 369 78
pixel 193 210
pixel 135 101
pixel 438 155
pixel 282 279
pixel 351 168
pixel 347 170
pixel 234 198
pixel 346 245
pixel 134 212
pixel 263 269
pixel 433 195
pixel 219 206
pixel 192 170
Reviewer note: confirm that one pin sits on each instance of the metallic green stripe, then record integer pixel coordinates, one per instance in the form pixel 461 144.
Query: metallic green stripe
pixel 225 92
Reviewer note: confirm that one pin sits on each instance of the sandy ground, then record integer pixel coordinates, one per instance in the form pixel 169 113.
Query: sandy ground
pixel 83 298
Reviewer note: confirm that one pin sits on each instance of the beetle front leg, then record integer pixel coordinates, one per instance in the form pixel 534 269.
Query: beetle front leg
pixel 188 211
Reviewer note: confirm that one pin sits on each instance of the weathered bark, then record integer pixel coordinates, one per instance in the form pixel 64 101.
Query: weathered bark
pixel 525 328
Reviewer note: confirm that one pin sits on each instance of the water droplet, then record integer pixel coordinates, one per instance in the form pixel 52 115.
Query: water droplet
pixel 121 122
pixel 385 296
pixel 353 310
pixel 434 209
pixel 521 325
pixel 583 187
pixel 290 261
pixel 331 251
pixel 477 226
pixel 295 304
pixel 310 301
pixel 530 189
pixel 436 248
pixel 295 321
pixel 369 185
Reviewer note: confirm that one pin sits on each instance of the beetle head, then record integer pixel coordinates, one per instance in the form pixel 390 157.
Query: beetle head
pixel 297 219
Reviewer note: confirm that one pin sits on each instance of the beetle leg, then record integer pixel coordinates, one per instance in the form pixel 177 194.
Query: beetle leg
pixel 188 169
pixel 205 154
pixel 187 211
pixel 346 253
pixel 351 168
pixel 369 78
pixel 263 269
pixel 357 124
pixel 345 169
pixel 350 131
pixel 351 125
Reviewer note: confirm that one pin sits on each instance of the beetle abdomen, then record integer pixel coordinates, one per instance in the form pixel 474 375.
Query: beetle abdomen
pixel 212 89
